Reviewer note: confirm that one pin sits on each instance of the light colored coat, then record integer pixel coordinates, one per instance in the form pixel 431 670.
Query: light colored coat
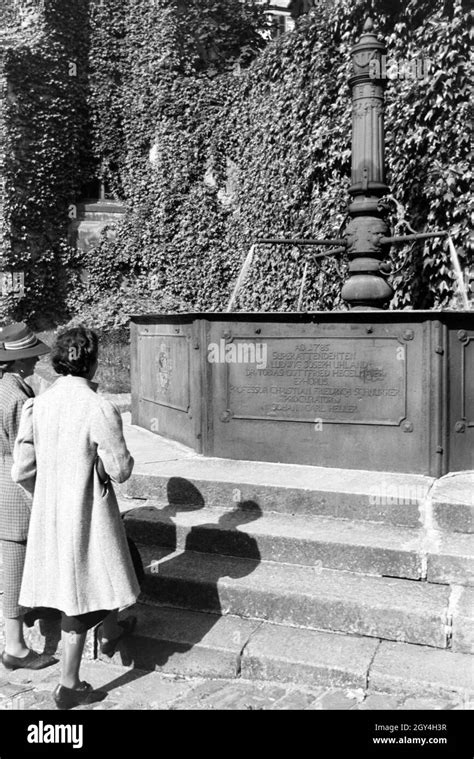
pixel 77 557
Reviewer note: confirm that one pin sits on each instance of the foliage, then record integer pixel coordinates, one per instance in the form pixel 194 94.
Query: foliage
pixel 429 144
pixel 46 153
pixel 213 143
pixel 107 63
pixel 109 312
pixel 283 128
pixel 172 67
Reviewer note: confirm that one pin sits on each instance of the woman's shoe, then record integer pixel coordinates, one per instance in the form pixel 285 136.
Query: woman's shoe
pixel 31 661
pixel 128 626
pixel 68 698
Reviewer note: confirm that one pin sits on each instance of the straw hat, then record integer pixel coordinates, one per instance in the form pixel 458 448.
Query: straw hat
pixel 17 341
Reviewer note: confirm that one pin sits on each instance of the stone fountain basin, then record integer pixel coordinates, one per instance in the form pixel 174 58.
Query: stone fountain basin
pixel 388 391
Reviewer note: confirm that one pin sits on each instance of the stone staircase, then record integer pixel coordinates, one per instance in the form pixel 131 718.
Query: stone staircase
pixel 281 572
pixel 332 578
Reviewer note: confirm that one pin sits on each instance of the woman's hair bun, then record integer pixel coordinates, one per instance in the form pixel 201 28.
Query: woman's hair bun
pixel 75 351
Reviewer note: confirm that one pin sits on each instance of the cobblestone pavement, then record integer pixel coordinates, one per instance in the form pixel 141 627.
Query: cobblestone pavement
pixel 137 690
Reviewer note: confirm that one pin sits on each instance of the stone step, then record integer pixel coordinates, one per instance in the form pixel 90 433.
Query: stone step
pixel 95 217
pixel 283 653
pixel 102 206
pixel 188 643
pixel 141 690
pixel 450 558
pixel 363 547
pixel 452 502
pixel 462 614
pixel 301 596
pixel 421 671
pixel 193 644
pixel 166 470
pixel 287 489
pixel 368 548
pixel 92 221
pixel 308 656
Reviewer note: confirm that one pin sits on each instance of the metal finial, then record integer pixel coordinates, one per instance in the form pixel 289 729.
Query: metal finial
pixel 369 24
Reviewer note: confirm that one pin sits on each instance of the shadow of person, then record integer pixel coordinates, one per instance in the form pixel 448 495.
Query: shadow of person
pixel 224 537
pixel 192 599
pixel 157 526
pixel 212 551
pixel 182 496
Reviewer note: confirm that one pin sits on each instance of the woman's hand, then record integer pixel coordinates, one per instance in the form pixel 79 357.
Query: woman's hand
pixel 101 471
pixel 103 476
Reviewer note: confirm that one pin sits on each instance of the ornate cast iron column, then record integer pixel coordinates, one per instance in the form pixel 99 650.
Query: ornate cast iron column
pixel 367 286
pixel 367 237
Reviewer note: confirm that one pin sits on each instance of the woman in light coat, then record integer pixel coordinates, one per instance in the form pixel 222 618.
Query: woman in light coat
pixel 70 448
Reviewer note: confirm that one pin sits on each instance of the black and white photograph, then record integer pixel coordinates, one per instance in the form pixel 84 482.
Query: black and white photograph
pixel 236 370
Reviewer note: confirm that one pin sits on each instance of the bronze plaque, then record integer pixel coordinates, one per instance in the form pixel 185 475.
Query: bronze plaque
pixel 356 380
pixel 165 370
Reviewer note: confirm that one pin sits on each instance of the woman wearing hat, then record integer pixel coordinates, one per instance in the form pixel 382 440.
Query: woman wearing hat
pixel 20 350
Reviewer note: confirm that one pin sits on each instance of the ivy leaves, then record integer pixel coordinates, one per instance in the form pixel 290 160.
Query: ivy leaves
pixel 208 155
pixel 46 152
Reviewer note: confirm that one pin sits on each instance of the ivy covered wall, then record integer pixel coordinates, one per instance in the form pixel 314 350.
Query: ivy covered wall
pixel 212 141
pixel 46 149
pixel 160 75
pixel 211 161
